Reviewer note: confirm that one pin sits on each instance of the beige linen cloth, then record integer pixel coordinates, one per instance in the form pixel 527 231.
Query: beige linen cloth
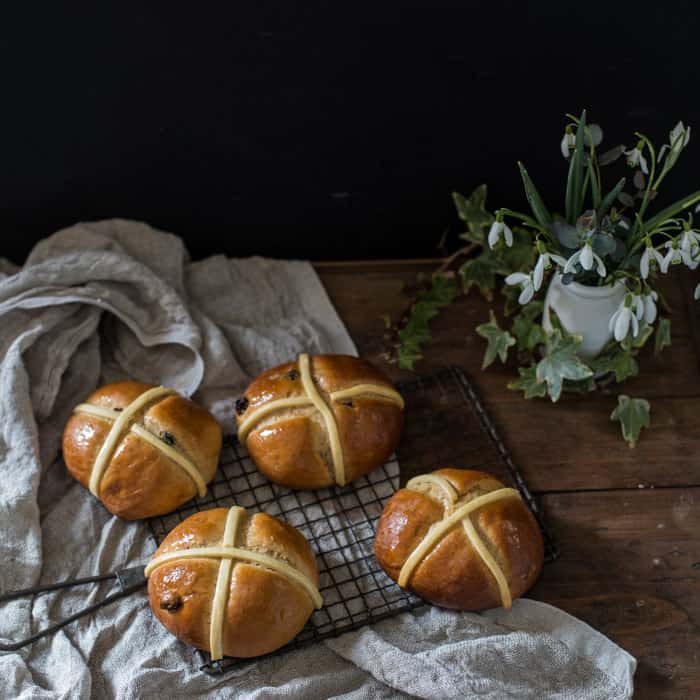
pixel 105 300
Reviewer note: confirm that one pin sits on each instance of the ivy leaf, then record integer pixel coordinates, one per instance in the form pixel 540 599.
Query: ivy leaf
pixel 561 362
pixel 480 272
pixel 415 331
pixel 662 339
pixel 472 210
pixel 584 386
pixel 528 333
pixel 632 343
pixel 511 304
pixel 633 415
pixel 528 383
pixel 618 361
pixel 499 340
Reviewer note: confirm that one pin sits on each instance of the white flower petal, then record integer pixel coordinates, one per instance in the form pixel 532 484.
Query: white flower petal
pixel 622 324
pixel 613 319
pixel 635 325
pixel 571 262
pixel 643 164
pixel 508 235
pixel 586 257
pixel 538 274
pixel 696 293
pixel 644 263
pixel 565 146
pixel 527 294
pixel 600 266
pixel 649 308
pixel 516 278
pixel 666 261
pixel 638 306
pixel 495 233
pixel 558 260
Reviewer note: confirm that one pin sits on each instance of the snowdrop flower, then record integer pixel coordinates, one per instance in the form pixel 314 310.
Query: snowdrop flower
pixel 587 258
pixel 650 253
pixel 638 306
pixel 675 256
pixel 678 139
pixel 696 294
pixel 543 263
pixel 621 320
pixel 690 240
pixel 500 228
pixel 635 158
pixel 568 142
pixel 526 283
pixel 649 300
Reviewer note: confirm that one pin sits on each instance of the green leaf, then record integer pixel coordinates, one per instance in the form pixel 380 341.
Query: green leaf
pixel 561 362
pixel 480 272
pixel 595 185
pixel 574 182
pixel 672 210
pixel 633 415
pixel 632 343
pixel 583 386
pixel 528 383
pixel 511 305
pixel 610 198
pixel 499 340
pixel 662 339
pixel 472 210
pixel 415 331
pixel 543 216
pixel 618 361
pixel 528 333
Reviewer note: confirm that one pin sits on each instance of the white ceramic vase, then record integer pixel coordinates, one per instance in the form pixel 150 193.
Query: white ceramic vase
pixel 583 310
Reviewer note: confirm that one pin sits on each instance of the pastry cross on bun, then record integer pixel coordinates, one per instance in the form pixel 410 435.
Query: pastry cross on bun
pixel 322 420
pixel 142 450
pixel 460 539
pixel 233 585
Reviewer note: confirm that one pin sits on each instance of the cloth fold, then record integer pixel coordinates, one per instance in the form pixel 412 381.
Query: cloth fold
pixel 101 301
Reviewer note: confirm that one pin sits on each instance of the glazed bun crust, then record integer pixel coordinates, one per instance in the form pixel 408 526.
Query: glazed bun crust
pixel 291 446
pixel 140 480
pixel 453 574
pixel 264 610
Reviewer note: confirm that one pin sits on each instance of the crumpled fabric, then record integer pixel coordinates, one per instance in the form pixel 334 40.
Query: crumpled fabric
pixel 103 301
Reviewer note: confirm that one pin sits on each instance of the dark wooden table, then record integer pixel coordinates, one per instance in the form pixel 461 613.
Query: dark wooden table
pixel 627 520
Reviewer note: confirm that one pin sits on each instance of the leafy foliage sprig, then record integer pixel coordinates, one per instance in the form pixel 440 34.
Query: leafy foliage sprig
pixel 603 238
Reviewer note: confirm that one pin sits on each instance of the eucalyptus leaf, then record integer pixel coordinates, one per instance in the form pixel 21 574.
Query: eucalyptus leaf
pixel 595 134
pixel 611 155
pixel 634 415
pixel 498 339
pixel 566 234
pixel 626 199
pixel 620 250
pixel 639 181
pixel 603 244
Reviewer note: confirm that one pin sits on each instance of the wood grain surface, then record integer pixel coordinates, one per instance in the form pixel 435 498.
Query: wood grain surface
pixel 627 520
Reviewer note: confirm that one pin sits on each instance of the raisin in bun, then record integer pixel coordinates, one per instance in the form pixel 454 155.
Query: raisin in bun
pixel 142 450
pixel 460 539
pixel 233 584
pixel 318 421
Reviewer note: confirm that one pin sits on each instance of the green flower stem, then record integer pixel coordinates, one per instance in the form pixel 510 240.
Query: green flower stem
pixel 669 212
pixel 650 179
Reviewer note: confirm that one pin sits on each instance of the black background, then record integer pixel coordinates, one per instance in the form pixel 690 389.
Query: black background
pixel 320 130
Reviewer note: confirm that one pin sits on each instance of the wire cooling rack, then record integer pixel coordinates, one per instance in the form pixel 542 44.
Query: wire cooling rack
pixel 445 425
